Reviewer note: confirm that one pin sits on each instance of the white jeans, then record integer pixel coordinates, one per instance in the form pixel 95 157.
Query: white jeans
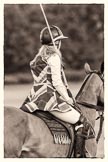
pixel 71 116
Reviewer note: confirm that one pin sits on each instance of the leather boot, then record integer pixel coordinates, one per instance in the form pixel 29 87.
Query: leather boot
pixel 82 133
pixel 79 146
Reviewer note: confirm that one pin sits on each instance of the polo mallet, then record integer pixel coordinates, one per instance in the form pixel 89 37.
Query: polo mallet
pixel 42 9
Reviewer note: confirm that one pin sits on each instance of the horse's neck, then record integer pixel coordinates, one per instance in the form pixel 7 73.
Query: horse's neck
pixel 91 89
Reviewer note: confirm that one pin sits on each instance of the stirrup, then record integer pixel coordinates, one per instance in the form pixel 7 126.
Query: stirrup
pixel 86 133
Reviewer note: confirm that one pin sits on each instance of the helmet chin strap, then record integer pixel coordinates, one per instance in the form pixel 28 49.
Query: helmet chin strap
pixel 58 45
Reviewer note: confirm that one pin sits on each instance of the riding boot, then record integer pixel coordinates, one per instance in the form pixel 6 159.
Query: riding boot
pixel 82 133
pixel 79 146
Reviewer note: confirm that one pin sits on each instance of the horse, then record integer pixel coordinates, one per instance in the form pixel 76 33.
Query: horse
pixel 28 136
pixel 90 99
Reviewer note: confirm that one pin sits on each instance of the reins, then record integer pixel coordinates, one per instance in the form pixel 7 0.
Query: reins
pixel 88 105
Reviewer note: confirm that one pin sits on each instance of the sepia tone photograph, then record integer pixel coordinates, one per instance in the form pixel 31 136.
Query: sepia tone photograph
pixel 54 80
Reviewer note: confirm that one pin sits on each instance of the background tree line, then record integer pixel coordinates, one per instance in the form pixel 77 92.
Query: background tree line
pixel 82 23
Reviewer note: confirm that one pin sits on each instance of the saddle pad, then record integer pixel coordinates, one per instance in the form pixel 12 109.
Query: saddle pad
pixel 60 130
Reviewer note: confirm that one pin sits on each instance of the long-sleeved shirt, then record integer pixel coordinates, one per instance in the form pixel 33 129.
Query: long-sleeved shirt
pixel 55 65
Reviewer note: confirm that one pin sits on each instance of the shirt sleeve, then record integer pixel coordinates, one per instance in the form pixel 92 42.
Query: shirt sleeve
pixel 55 65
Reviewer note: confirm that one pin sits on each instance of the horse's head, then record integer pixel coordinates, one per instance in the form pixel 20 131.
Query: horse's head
pixel 91 91
pixel 100 72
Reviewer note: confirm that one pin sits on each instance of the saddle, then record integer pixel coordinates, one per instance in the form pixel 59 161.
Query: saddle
pixel 62 132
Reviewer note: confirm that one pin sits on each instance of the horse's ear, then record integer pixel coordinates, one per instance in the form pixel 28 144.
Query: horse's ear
pixel 87 68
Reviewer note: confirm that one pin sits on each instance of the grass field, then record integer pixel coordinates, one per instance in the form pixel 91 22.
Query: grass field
pixel 14 95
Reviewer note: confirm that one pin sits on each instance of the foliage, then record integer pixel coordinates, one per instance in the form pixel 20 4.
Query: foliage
pixel 82 23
